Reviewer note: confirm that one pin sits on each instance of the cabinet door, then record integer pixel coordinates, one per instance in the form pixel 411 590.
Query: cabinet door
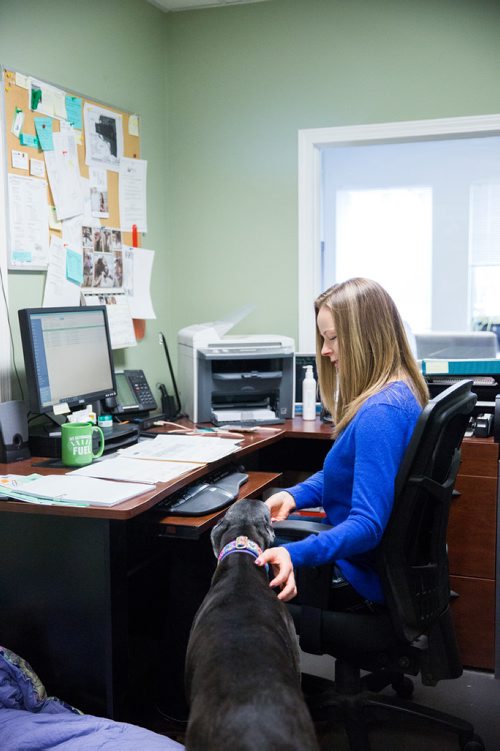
pixel 474 618
pixel 472 527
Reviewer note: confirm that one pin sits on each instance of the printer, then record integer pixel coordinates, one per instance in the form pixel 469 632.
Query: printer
pixel 228 380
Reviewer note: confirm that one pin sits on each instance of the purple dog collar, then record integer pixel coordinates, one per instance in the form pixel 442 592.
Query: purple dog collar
pixel 241 545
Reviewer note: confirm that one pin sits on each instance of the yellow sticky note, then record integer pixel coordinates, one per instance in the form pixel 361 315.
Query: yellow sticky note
pixel 133 125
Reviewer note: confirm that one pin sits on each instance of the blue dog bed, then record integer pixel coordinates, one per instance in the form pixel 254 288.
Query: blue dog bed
pixel 32 721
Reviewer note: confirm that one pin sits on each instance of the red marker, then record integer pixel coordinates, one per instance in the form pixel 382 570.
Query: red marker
pixel 134 236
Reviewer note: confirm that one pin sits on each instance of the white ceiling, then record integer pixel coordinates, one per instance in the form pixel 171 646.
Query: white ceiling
pixel 173 5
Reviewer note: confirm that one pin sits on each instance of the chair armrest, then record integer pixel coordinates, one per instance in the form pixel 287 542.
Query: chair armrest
pixel 298 529
pixel 313 582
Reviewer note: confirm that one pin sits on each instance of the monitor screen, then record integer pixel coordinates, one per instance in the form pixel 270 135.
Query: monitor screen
pixel 67 356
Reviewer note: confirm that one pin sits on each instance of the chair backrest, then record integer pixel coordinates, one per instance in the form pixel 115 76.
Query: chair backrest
pixel 412 557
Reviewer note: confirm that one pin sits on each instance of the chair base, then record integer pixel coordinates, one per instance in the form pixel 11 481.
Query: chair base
pixel 361 710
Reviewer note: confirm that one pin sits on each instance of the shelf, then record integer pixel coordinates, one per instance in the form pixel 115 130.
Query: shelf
pixel 194 526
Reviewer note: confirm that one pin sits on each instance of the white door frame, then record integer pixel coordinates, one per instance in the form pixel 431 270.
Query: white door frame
pixel 311 142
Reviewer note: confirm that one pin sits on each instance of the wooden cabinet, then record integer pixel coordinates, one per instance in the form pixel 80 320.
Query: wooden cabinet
pixel 472 552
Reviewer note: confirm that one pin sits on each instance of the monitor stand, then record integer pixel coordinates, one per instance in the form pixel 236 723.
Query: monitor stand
pixel 45 440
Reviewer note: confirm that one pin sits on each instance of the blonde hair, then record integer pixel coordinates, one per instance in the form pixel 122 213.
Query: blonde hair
pixel 372 345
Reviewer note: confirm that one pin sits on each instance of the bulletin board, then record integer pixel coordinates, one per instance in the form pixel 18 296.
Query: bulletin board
pixel 17 98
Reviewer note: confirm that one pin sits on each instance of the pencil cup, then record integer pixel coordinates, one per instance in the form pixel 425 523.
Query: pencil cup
pixel 76 443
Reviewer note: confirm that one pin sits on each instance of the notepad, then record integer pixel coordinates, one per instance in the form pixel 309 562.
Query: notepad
pixel 71 489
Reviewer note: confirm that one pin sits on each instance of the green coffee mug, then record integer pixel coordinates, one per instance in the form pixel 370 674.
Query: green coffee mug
pixel 76 443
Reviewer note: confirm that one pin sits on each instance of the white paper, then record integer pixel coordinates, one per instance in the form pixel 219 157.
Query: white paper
pixel 87 490
pixel 22 81
pixel 88 220
pixel 121 328
pixel 72 233
pixel 99 192
pixel 37 168
pixel 132 192
pixel 179 448
pixel 133 125
pixel 53 100
pixel 20 159
pixel 64 176
pixel 59 291
pixel 119 468
pixel 29 222
pixel 241 415
pixel 137 281
pixel 103 137
pixel 17 124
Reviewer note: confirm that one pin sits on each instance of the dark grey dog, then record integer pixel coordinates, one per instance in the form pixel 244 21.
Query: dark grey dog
pixel 242 664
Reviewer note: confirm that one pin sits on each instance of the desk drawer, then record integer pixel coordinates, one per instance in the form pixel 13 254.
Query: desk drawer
pixel 472 527
pixel 479 458
pixel 474 618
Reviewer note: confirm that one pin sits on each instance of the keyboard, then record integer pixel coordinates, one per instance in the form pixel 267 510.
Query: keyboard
pixel 214 492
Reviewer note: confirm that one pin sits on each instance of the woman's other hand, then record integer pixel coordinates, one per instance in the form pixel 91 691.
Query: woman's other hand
pixel 281 563
pixel 280 505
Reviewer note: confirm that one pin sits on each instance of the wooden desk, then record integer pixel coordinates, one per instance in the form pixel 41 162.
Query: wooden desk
pixel 84 591
pixel 98 600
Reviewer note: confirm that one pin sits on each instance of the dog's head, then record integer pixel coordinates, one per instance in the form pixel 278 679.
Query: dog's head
pixel 247 517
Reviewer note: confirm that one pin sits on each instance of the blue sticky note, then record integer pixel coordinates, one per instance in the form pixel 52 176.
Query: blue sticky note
pixel 74 111
pixel 22 256
pixel 43 126
pixel 26 140
pixel 74 266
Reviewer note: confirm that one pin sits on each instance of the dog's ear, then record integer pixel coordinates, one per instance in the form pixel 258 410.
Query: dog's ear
pixel 268 530
pixel 216 535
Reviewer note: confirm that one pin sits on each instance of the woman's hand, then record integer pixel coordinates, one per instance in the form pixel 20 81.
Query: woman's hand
pixel 280 505
pixel 279 559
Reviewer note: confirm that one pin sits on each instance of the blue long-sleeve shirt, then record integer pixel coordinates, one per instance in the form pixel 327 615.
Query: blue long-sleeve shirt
pixel 356 488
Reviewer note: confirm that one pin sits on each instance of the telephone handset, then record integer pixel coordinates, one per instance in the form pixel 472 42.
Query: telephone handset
pixel 133 392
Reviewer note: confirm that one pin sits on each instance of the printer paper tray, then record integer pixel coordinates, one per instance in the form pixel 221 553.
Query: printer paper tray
pixel 260 416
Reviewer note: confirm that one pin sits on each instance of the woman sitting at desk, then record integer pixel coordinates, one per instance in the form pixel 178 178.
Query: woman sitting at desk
pixel 370 382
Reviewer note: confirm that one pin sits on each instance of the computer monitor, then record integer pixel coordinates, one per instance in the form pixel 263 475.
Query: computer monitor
pixel 68 357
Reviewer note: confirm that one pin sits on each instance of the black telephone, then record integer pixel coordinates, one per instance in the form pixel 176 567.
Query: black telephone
pixel 133 393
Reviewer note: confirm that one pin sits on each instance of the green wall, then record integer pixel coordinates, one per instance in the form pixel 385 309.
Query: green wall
pixel 222 93
pixel 243 81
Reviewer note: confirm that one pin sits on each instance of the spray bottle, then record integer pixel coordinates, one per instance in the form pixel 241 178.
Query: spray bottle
pixel 308 395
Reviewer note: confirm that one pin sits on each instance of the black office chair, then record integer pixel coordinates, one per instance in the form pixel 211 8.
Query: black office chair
pixel 414 633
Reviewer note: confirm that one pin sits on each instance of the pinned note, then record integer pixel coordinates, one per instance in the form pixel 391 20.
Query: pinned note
pixel 25 139
pixel 74 111
pixel 36 97
pixel 74 266
pixel 22 81
pixel 20 159
pixel 133 125
pixel 17 122
pixel 37 168
pixel 43 127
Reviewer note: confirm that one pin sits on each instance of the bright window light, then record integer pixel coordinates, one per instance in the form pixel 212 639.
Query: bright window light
pixel 386 235
pixel 484 253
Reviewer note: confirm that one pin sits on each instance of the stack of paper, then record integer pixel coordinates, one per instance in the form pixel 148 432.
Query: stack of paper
pixel 180 448
pixel 69 490
pixel 119 468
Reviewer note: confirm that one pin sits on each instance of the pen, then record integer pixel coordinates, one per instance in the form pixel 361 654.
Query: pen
pixel 220 433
